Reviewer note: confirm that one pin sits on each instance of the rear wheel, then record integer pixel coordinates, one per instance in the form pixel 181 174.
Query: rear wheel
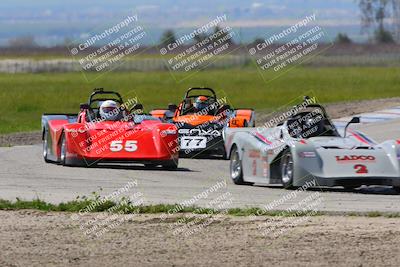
pixel 46 147
pixel 236 168
pixel 397 189
pixel 287 172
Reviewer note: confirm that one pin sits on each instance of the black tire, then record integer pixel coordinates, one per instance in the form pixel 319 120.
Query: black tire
pixel 236 168
pixel 397 189
pixel 224 154
pixel 286 169
pixel 171 165
pixel 46 147
pixel 350 188
pixel 150 165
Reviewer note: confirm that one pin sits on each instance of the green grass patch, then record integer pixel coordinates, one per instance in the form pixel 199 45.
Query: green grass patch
pixel 81 204
pixel 25 97
pixel 92 205
pixel 95 203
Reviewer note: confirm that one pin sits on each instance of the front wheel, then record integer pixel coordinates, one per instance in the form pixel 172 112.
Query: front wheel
pixel 72 162
pixel 63 151
pixel 287 172
pixel 236 168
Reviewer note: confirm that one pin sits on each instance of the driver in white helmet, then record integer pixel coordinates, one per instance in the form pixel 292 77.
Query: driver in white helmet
pixel 110 111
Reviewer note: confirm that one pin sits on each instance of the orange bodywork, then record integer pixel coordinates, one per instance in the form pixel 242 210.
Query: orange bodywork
pixel 159 113
pixel 243 117
pixel 197 119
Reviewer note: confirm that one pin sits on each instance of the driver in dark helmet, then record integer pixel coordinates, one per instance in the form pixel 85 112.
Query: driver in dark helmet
pixel 201 103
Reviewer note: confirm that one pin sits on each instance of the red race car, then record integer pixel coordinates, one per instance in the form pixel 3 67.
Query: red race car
pixel 107 131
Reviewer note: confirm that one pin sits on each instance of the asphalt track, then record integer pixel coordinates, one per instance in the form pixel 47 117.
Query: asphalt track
pixel 24 174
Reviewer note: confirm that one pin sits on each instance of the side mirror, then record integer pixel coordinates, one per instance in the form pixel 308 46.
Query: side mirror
pixel 353 120
pixel 137 106
pixel 84 106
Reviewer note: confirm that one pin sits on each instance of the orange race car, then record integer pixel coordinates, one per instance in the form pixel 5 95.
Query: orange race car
pixel 201 119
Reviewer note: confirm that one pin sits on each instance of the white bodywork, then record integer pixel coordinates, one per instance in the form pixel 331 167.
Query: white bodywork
pixel 331 160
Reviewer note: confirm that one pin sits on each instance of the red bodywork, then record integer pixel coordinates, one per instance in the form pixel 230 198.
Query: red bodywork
pixel 149 141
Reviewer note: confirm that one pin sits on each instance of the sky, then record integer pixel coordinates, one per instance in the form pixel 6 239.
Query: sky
pixel 51 21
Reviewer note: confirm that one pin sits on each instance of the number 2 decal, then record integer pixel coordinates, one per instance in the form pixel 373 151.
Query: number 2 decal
pixel 130 146
pixel 360 168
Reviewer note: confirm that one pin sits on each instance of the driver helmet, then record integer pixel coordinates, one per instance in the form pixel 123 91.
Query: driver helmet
pixel 109 110
pixel 201 102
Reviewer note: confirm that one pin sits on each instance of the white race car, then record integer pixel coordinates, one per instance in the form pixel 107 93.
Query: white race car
pixel 307 146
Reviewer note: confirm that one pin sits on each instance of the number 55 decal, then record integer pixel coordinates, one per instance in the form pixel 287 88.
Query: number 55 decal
pixel 130 146
pixel 360 168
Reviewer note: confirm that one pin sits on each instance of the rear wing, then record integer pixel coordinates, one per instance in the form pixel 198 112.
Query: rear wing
pixel 57 120
pixel 60 116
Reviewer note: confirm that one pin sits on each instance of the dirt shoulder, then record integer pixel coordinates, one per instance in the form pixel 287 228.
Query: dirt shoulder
pixel 335 110
pixel 34 238
pixel 20 139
